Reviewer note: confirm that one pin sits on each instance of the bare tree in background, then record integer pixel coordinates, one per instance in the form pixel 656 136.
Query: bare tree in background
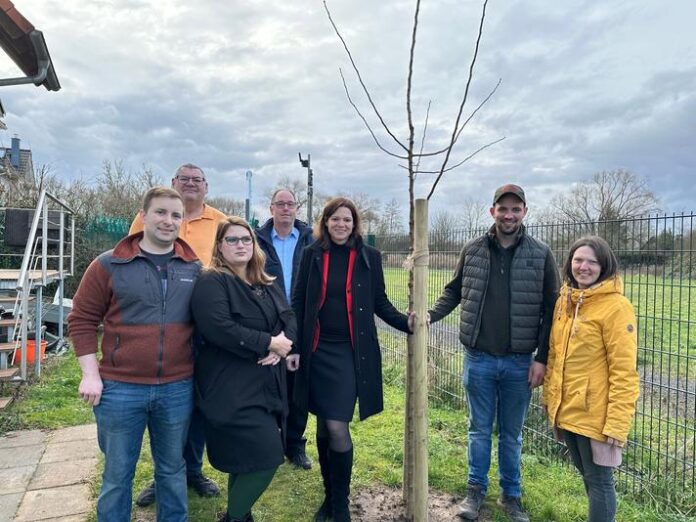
pixel 121 191
pixel 368 207
pixel 403 147
pixel 228 206
pixel 390 222
pixel 473 213
pixel 615 194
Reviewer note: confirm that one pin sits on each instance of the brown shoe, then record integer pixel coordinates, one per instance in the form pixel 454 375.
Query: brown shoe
pixel 470 508
pixel 513 508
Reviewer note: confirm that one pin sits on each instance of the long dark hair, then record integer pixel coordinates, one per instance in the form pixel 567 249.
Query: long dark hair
pixel 321 231
pixel 605 256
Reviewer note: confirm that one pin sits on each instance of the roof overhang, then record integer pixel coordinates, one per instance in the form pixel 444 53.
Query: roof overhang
pixel 27 48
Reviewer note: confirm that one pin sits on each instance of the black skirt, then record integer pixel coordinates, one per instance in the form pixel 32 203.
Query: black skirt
pixel 332 383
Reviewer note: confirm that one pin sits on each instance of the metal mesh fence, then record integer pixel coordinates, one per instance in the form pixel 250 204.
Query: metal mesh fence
pixel 657 255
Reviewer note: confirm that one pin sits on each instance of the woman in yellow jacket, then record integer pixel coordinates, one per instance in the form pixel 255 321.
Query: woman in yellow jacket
pixel 591 383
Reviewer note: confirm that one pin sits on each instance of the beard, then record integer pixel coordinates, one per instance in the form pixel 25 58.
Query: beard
pixel 511 231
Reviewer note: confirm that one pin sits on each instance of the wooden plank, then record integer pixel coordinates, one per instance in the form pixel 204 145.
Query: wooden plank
pixel 8 322
pixel 5 402
pixel 8 347
pixel 7 373
pixel 12 275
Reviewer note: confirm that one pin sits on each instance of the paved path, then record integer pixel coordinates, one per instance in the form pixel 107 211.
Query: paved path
pixel 44 475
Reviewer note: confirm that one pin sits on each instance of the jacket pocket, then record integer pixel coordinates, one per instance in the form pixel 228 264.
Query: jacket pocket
pixel 117 347
pixel 575 395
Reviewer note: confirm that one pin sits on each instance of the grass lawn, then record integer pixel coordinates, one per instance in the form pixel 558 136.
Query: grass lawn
pixel 552 491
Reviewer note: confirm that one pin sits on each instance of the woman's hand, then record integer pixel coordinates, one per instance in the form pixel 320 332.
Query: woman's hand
pixel 293 362
pixel 280 345
pixel 614 442
pixel 270 360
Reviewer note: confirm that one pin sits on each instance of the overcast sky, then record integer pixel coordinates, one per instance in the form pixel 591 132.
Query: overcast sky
pixel 231 86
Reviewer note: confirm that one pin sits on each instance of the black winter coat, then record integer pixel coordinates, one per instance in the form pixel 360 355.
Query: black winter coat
pixel 369 298
pixel 233 392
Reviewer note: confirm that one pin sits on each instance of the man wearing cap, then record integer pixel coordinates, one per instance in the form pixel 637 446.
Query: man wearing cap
pixel 506 283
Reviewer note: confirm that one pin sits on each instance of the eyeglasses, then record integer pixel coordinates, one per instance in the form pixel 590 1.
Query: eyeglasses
pixel 285 204
pixel 195 179
pixel 233 240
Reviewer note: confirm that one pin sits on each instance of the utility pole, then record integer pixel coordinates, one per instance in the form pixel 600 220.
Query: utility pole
pixel 247 202
pixel 310 186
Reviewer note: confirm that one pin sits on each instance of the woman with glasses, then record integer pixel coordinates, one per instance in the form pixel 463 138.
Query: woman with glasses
pixel 245 328
pixel 340 288
pixel 591 383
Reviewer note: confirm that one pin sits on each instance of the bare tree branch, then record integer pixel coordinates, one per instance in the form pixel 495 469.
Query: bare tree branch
pixel 485 100
pixel 367 125
pixel 442 171
pixel 360 80
pixel 452 167
pixel 463 125
pixel 425 131
pixel 464 98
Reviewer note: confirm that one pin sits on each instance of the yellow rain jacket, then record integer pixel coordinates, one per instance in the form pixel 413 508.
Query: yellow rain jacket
pixel 591 383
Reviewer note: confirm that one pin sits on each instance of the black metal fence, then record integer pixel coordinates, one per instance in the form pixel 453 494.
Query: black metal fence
pixel 658 265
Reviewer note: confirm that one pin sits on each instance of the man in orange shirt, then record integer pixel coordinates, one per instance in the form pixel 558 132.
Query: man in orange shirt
pixel 198 230
pixel 200 220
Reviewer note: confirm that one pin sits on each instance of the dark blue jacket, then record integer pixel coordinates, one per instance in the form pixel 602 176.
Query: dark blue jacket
pixel 273 266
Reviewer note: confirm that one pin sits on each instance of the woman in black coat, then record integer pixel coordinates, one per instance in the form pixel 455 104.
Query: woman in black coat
pixel 244 328
pixel 339 289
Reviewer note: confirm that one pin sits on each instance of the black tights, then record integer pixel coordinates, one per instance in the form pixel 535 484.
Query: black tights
pixel 338 433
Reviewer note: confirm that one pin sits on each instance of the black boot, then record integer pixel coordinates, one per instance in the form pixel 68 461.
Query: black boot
pixel 325 512
pixel 341 469
pixel 225 517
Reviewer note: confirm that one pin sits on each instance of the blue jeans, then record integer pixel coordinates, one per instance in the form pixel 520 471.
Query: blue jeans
pixel 123 413
pixel 496 389
pixel 195 444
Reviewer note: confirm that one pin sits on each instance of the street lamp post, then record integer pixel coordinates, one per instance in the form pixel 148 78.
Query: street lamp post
pixel 310 186
pixel 247 202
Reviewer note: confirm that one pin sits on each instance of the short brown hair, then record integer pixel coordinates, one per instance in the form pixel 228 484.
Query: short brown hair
pixel 322 233
pixel 159 192
pixel 255 267
pixel 606 258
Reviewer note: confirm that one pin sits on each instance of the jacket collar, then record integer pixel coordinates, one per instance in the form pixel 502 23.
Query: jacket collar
pixel 493 238
pixel 264 231
pixel 129 248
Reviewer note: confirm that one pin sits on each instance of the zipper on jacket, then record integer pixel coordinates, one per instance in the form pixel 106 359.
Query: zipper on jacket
pixel 160 359
pixel 117 346
pixel 163 299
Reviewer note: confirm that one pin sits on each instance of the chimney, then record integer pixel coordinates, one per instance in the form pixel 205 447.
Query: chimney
pixel 14 152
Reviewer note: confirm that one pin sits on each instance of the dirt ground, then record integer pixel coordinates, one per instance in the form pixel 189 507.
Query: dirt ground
pixel 382 504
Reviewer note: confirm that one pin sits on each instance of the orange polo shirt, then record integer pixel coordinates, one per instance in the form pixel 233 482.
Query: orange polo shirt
pixel 199 233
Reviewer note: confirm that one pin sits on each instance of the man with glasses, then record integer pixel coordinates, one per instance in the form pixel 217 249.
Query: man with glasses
pixel 200 220
pixel 198 230
pixel 282 238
